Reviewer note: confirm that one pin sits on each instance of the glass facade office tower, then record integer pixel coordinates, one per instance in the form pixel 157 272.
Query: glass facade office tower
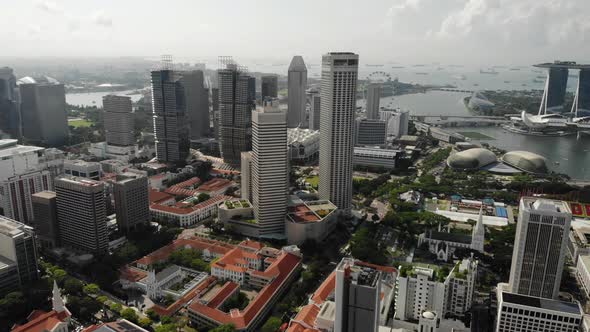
pixel 171 127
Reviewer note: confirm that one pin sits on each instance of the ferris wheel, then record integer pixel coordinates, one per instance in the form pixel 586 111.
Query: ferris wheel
pixel 379 77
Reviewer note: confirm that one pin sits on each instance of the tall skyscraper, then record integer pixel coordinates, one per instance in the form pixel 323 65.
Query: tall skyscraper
pixel 246 175
pixel 269 168
pixel 45 223
pixel 338 101
pixel 171 127
pixel 43 110
pixel 269 87
pixel 581 104
pixel 215 111
pixel 297 84
pixel 555 86
pixel 313 100
pixel 81 212
pixel 373 98
pixel 132 204
pixel 540 247
pixel 235 108
pixel 10 121
pixel 197 103
pixel 18 255
pixel 119 123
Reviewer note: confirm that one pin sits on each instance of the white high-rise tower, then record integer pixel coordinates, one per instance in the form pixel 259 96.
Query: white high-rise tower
pixel 478 233
pixel 269 168
pixel 540 247
pixel 338 104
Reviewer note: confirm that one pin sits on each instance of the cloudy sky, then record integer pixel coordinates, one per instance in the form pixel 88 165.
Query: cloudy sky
pixel 447 31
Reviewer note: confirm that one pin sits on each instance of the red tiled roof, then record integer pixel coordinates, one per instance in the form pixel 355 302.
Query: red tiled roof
pixel 325 289
pixel 251 244
pixel 131 274
pixel 197 243
pixel 185 188
pixel 158 196
pixel 285 266
pixel 215 184
pixel 43 321
pixel 197 291
pixel 183 208
pixel 225 292
pixel 381 268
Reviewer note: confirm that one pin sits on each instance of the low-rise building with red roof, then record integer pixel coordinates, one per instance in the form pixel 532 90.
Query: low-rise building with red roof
pixel 55 320
pixel 121 325
pixel 215 186
pixel 188 212
pixel 186 188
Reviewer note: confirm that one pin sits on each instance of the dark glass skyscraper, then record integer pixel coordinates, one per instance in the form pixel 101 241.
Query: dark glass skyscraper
pixel 583 93
pixel 9 111
pixel 554 95
pixel 236 102
pixel 171 127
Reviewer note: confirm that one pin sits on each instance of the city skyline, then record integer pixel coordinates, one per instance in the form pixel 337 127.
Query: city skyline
pixel 403 30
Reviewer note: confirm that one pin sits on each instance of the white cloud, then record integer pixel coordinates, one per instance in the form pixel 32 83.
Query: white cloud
pixel 102 19
pixel 34 29
pixel 536 22
pixel 48 6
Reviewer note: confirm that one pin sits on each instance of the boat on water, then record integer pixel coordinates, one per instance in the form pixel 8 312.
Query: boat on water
pixel 490 72
pixel 514 69
pixel 421 73
pixel 397 67
pixel 506 81
pixel 460 77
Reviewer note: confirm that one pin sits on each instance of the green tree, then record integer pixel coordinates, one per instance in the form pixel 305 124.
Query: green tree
pixel 102 299
pixel 152 314
pixel 116 307
pixel 13 305
pixel 73 286
pixel 170 327
pixel 91 289
pixel 145 322
pixel 203 197
pixel 224 328
pixel 272 325
pixel 130 315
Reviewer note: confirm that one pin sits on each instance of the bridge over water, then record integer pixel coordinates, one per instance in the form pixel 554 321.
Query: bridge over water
pixel 460 120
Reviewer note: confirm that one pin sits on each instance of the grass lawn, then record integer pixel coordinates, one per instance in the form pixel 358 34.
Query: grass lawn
pixel 476 135
pixel 313 181
pixel 79 123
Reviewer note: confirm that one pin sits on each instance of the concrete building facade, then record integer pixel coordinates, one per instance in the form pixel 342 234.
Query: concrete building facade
pixel 373 98
pixel 18 255
pixel 297 84
pixel 540 247
pixel 369 132
pixel 119 124
pixel 314 102
pixel 246 175
pixel 43 111
pixel 269 86
pixel 10 122
pixel 45 223
pixel 338 105
pixel 132 204
pixel 81 211
pixel 269 168
pixel 197 103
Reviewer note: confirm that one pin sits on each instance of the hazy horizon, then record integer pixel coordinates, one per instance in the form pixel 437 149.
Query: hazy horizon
pixel 473 32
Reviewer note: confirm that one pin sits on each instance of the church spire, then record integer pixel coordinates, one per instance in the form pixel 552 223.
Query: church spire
pixel 56 301
pixel 478 233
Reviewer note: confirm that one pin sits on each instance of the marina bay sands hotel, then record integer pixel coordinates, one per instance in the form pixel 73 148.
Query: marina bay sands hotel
pixel 555 88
